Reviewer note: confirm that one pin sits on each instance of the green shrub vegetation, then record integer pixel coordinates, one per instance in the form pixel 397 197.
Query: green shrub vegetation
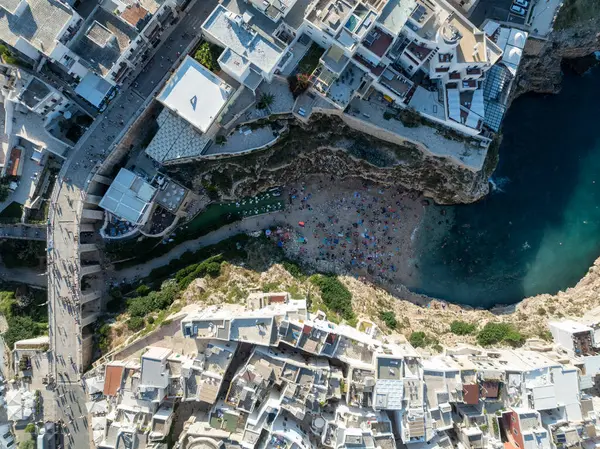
pixel 207 55
pixel 26 318
pixel 493 333
pixel 22 253
pixel 142 290
pixel 28 444
pixel 228 249
pixel 103 336
pixel 210 267
pixel 156 300
pixel 422 340
pixel 7 55
pixel 335 295
pixel 21 328
pixel 389 318
pixel 462 328
pixel 135 323
pixel 30 428
pixel 294 269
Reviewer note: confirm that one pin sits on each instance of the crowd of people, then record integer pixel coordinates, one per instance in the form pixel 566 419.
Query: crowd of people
pixel 367 230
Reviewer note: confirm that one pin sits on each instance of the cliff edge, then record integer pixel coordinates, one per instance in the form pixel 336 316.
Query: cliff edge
pixel 576 35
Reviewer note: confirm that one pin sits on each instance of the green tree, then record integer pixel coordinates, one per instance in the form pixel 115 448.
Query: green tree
pixel 135 323
pixel 30 428
pixel 493 333
pixel 4 192
pixel 265 101
pixel 207 56
pixel 29 444
pixel 462 328
pixel 335 295
pixel 142 290
pixel 389 318
pixel 421 340
pixel 20 328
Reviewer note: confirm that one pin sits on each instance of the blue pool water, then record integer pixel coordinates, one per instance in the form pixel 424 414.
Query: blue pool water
pixel 352 23
pixel 539 230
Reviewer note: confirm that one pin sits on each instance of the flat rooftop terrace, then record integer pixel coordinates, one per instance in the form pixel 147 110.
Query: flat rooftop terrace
pixel 39 23
pixel 104 38
pixel 226 27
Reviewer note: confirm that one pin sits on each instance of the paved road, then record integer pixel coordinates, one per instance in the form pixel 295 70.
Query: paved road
pixel 27 276
pixel 247 225
pixel 65 212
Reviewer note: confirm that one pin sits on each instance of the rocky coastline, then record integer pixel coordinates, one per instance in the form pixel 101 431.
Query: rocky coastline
pixel 541 69
pixel 327 146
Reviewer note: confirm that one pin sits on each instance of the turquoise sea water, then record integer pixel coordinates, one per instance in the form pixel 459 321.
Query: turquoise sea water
pixel 539 230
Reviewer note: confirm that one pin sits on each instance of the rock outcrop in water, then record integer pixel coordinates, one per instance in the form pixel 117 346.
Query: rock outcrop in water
pixel 328 146
pixel 541 67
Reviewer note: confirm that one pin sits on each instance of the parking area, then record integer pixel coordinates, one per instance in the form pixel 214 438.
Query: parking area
pixel 499 10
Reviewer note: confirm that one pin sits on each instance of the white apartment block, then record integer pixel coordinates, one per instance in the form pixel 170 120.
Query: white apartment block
pixel 417 54
pixel 285 366
pixel 99 52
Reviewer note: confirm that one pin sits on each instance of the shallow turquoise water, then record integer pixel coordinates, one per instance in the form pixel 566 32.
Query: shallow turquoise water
pixel 539 230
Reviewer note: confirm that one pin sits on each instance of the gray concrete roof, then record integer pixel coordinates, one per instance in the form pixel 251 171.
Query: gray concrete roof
pixel 104 39
pixel 250 44
pixel 40 22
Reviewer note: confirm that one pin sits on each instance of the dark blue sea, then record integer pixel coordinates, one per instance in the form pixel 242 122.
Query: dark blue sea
pixel 539 229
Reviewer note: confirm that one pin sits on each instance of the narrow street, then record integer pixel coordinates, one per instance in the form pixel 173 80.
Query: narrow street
pixel 64 289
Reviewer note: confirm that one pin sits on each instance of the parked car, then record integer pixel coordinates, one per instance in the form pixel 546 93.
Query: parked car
pixel 521 3
pixel 517 10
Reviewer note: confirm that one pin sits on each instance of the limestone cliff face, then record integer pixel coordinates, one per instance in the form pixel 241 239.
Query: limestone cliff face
pixel 328 146
pixel 540 69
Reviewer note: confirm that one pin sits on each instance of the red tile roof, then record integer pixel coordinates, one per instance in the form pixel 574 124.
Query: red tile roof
pixel 112 379
pixel 133 14
pixel 14 161
pixel 471 394
pixel 490 389
pixel 277 298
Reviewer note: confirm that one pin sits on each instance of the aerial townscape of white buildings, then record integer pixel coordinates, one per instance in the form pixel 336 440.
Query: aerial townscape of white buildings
pixel 270 374
pixel 422 56
pixel 375 59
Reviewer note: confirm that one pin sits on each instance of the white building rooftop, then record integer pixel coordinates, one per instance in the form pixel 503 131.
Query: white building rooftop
pixel 233 32
pixel 128 197
pixel 39 22
pixel 395 14
pixel 195 94
pixel 570 326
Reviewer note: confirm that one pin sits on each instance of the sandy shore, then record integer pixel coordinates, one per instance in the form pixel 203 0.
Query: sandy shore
pixel 354 228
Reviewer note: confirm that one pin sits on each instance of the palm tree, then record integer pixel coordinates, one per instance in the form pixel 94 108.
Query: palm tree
pixel 265 101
